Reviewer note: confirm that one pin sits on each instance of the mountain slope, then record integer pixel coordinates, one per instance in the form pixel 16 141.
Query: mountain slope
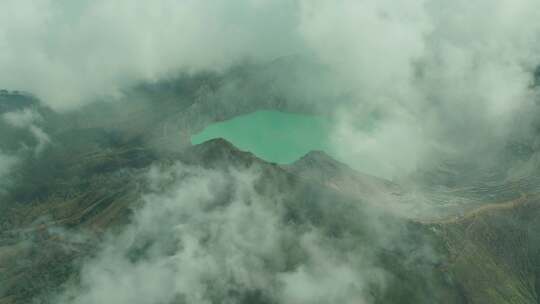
pixel 104 200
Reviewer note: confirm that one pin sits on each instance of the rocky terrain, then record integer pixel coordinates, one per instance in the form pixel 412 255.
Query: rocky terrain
pixel 84 182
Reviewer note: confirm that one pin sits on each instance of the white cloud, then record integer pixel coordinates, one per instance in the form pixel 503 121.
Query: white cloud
pixel 451 75
pixel 23 118
pixel 69 53
pixel 203 235
pixel 29 119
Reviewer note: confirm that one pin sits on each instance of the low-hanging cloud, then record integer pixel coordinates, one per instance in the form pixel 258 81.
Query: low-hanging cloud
pixel 408 83
pixel 434 77
pixel 70 53
pixel 205 235
pixel 28 119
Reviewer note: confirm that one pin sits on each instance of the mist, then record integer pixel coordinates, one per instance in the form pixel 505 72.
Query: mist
pixel 70 53
pixel 443 78
pixel 207 235
pixel 410 87
pixel 437 78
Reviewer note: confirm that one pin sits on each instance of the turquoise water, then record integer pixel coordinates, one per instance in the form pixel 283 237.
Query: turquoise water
pixel 271 135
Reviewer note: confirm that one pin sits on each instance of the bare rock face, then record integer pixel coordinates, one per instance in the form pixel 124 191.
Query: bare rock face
pixel 320 167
